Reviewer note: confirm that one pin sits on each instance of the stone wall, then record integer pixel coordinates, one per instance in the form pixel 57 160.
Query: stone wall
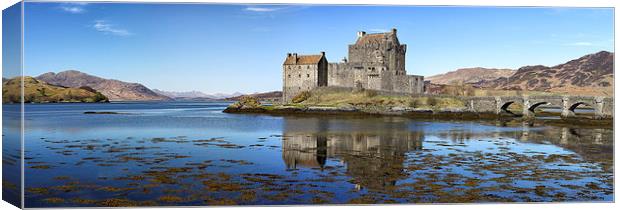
pixel 303 77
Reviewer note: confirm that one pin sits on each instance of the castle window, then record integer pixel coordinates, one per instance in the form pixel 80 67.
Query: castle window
pixel 299 75
pixel 289 76
pixel 308 75
pixel 307 67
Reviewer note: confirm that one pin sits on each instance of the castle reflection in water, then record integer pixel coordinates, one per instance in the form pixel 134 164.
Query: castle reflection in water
pixel 374 156
pixel 374 150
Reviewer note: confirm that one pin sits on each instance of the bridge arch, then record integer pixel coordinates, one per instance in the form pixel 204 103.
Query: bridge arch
pixel 577 104
pixel 505 108
pixel 533 107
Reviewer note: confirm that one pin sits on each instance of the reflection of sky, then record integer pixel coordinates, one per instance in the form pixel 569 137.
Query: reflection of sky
pixel 198 121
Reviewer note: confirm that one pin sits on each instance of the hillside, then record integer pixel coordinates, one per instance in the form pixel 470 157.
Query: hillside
pixel 186 94
pixel 196 95
pixel 267 96
pixel 115 90
pixel 469 75
pixel 36 91
pixel 589 74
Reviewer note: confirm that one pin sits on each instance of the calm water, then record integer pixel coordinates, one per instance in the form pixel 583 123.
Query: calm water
pixel 193 154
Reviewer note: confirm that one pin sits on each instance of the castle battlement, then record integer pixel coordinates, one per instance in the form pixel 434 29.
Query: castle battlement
pixel 375 61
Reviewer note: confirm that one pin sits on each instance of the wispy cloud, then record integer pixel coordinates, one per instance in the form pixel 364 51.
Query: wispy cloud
pixel 74 7
pixel 107 28
pixel 74 10
pixel 579 44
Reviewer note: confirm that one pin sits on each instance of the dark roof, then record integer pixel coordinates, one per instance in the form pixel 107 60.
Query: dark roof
pixel 303 59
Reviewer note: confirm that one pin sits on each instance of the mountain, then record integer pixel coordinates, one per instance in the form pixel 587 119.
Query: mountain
pixel 589 73
pixel 36 91
pixel 469 75
pixel 186 94
pixel 115 90
pixel 196 95
pixel 267 96
pixel 225 96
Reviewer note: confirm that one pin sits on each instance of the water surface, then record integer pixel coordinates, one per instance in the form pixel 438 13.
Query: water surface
pixel 181 153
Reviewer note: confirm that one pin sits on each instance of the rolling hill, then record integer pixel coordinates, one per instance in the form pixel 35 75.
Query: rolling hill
pixel 115 90
pixel 589 74
pixel 36 91
pixel 469 75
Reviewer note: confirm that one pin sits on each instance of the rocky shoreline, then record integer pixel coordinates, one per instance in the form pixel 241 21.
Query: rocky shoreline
pixel 442 114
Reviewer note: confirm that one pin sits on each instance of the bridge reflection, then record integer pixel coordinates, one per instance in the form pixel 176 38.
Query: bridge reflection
pixel 374 150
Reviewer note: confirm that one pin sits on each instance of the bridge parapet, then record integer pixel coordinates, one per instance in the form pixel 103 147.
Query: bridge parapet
pixel 603 106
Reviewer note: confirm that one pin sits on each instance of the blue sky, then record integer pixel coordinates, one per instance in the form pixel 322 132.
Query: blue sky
pixel 228 48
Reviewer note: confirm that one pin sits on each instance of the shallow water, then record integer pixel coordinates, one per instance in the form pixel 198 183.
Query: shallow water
pixel 193 154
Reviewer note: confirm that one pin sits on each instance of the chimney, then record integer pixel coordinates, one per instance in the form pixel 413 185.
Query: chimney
pixel 394 30
pixel 288 54
pixel 295 57
pixel 361 34
pixel 323 53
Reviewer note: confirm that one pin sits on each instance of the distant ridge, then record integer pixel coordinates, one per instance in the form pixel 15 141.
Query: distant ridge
pixel 195 94
pixel 589 73
pixel 267 96
pixel 186 94
pixel 115 90
pixel 469 75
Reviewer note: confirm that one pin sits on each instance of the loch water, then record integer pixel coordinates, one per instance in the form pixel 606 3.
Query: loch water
pixel 191 153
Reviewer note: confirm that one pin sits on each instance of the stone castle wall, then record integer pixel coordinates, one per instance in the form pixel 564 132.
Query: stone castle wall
pixel 302 77
pixel 377 62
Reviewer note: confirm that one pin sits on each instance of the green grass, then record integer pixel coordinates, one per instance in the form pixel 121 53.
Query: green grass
pixel 330 97
pixel 36 91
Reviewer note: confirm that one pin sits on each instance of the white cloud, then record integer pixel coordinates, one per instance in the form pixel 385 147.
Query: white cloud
pixel 262 9
pixel 580 44
pixel 73 9
pixel 106 28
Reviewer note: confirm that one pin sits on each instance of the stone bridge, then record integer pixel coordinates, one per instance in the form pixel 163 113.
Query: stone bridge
pixel 603 106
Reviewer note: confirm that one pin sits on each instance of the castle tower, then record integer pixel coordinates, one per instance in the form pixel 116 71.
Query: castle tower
pixel 379 49
pixel 303 73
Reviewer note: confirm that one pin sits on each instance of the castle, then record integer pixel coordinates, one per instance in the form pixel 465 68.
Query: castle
pixel 376 62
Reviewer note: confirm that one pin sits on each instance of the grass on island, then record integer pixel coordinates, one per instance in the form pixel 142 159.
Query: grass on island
pixel 331 97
